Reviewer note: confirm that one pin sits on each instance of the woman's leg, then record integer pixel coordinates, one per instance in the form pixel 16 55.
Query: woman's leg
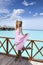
pixel 19 53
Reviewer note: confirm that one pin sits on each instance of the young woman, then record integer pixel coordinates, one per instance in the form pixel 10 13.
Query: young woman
pixel 20 38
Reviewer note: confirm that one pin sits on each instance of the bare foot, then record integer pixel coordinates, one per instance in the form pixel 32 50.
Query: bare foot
pixel 16 58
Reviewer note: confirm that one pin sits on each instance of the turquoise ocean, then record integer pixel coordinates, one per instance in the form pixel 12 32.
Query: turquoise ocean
pixel 33 35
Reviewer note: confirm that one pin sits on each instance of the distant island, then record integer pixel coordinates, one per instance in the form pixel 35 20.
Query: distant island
pixel 7 28
pixel 13 28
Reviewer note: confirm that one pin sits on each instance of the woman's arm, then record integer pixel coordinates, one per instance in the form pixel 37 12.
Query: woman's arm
pixel 21 30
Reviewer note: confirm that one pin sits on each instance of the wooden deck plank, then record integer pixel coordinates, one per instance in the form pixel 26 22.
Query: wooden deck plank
pixel 7 60
pixel 1 56
pixel 11 61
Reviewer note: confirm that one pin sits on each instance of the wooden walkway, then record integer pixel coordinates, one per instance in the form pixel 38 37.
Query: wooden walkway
pixel 8 60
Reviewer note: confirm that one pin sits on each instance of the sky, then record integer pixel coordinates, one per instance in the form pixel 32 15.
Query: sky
pixel 29 11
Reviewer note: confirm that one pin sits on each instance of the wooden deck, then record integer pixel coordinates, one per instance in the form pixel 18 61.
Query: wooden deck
pixel 8 60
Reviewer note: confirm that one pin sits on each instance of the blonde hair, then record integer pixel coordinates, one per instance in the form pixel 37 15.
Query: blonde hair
pixel 20 25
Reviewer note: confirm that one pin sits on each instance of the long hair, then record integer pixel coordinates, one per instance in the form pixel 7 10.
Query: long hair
pixel 20 25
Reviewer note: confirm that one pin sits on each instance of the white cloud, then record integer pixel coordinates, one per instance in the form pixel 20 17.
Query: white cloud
pixel 36 14
pixel 41 14
pixel 30 12
pixel 16 13
pixel 32 3
pixel 11 17
pixel 6 17
pixel 4 14
pixel 27 3
pixel 4 11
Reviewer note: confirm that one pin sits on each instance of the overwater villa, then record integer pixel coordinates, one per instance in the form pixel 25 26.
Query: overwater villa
pixel 8 52
pixel 6 28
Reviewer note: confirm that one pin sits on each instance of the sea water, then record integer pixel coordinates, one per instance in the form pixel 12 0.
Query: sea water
pixel 33 35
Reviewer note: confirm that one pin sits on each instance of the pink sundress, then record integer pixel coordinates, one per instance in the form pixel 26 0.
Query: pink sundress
pixel 20 39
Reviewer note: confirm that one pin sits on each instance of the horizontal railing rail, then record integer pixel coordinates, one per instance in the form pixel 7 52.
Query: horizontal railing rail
pixel 8 45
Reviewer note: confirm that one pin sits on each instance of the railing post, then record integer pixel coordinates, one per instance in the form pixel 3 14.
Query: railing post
pixel 7 46
pixel 19 53
pixel 32 49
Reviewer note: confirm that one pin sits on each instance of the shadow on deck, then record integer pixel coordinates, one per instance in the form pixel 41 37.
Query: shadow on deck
pixel 8 60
